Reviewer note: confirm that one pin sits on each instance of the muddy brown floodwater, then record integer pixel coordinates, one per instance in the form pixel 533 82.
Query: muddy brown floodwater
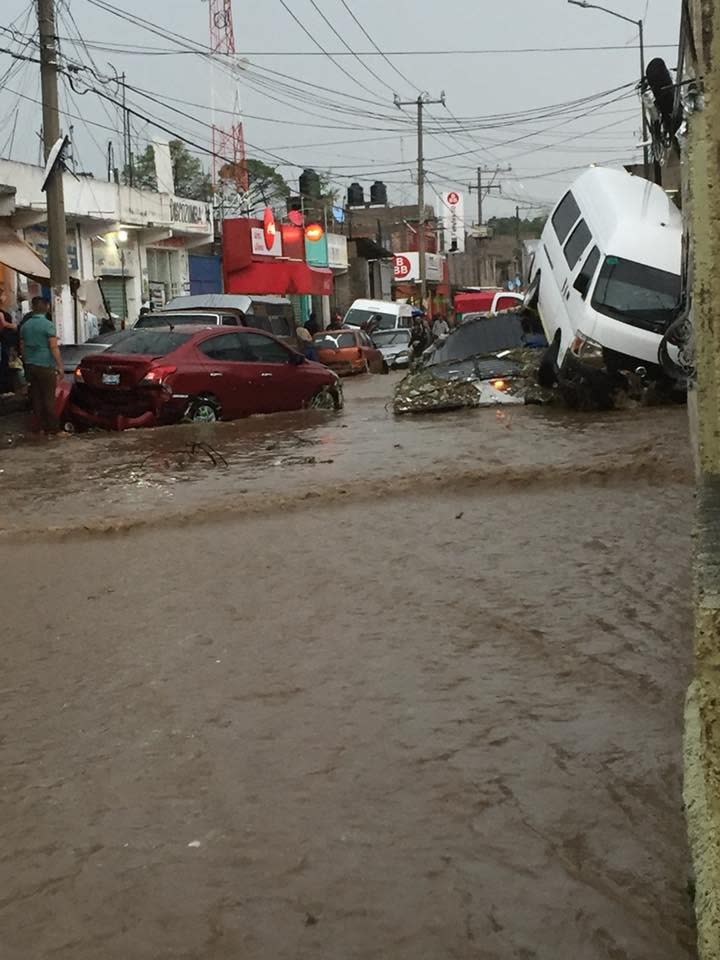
pixel 341 687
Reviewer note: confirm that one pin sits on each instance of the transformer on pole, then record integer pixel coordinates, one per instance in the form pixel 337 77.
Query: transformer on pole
pixel 229 166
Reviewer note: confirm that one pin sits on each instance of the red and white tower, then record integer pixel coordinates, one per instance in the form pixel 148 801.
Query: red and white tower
pixel 229 167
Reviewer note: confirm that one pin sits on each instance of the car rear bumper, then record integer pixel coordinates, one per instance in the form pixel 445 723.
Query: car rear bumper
pixel 154 409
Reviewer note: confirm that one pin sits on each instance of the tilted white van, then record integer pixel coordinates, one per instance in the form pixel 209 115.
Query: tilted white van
pixel 605 279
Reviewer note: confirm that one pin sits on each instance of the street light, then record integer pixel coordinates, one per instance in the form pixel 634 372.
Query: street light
pixel 639 25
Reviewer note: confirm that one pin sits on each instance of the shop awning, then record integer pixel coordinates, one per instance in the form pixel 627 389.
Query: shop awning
pixel 17 255
pixel 281 277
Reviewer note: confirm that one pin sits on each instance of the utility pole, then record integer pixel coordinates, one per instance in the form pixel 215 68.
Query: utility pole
pixel 486 190
pixel 62 306
pixel 700 49
pixel 641 28
pixel 422 101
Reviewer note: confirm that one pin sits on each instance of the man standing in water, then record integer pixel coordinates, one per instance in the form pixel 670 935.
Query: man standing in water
pixel 43 363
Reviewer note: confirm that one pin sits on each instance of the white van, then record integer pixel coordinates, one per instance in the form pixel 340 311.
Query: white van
pixel 392 316
pixel 606 279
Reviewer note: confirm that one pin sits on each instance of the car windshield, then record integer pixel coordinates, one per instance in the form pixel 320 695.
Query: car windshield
pixel 151 343
pixel 335 341
pixel 165 319
pixel 391 338
pixel 382 321
pixel 637 294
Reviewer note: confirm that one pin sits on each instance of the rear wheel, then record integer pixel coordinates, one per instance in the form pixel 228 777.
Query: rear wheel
pixel 203 410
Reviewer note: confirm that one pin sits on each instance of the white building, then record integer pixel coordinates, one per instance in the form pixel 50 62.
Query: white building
pixel 134 242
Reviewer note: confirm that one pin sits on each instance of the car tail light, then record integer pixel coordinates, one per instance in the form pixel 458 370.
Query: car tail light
pixel 79 378
pixel 158 375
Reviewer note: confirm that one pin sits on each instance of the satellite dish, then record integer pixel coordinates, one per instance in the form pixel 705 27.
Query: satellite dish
pixel 55 159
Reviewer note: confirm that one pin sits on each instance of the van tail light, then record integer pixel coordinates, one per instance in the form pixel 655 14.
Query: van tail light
pixel 79 378
pixel 157 376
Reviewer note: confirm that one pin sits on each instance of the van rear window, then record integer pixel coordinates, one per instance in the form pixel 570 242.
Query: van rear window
pixel 565 217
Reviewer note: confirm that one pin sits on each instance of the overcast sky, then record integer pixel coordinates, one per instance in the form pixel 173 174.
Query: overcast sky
pixel 297 124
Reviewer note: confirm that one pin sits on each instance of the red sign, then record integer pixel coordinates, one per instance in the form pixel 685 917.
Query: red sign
pixel 453 199
pixel 402 267
pixel 269 228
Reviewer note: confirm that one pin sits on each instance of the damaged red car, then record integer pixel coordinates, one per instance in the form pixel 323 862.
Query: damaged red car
pixel 165 376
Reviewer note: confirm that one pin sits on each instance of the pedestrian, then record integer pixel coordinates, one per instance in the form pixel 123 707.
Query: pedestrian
pixel 312 326
pixel 43 364
pixel 337 322
pixel 419 341
pixel 305 341
pixel 439 327
pixel 12 379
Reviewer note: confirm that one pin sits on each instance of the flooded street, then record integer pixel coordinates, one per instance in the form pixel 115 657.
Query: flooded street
pixel 348 686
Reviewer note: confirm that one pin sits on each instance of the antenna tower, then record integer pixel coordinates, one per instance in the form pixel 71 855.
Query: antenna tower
pixel 229 166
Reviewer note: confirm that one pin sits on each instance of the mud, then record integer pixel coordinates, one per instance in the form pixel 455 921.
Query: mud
pixel 373 688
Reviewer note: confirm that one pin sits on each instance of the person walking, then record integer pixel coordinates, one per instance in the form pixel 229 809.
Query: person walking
pixel 43 364
pixel 440 327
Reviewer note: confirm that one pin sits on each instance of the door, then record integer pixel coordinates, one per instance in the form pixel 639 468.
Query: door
pixel 228 376
pixel 278 382
pixel 371 354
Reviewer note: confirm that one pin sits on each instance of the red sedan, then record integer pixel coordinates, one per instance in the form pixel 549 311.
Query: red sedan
pixel 349 351
pixel 167 375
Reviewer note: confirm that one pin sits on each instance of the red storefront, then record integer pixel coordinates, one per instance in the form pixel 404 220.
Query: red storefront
pixel 267 258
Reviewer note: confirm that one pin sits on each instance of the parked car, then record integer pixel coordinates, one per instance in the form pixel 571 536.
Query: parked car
pixel 166 375
pixel 349 351
pixel 394 345
pixel 486 301
pixel 272 314
pixel 383 314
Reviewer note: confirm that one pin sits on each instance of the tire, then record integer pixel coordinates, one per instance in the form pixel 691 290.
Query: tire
pixel 547 374
pixel 202 410
pixel 326 398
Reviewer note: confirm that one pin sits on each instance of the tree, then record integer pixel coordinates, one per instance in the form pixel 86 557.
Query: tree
pixel 507 226
pixel 191 181
pixel 265 184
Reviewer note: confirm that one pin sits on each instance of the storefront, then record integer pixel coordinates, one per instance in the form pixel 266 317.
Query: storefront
pixel 260 261
pixel 406 282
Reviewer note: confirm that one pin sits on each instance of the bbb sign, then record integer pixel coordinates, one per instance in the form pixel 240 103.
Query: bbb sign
pixel 403 267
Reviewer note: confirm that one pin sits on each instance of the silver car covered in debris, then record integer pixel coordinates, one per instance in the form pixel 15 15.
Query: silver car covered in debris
pixel 394 345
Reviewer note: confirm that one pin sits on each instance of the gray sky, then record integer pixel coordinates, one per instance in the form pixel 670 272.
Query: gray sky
pixel 283 121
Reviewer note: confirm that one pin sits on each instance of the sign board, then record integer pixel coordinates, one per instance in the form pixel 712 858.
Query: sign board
pixel 190 216
pixel 337 251
pixel 258 244
pixel 451 213
pixel 407 267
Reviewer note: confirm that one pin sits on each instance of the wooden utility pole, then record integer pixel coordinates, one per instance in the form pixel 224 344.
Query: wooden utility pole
pixel 700 76
pixel 484 190
pixel 62 306
pixel 422 101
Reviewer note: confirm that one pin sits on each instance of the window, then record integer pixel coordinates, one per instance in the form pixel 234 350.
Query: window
pixel 390 338
pixel 225 348
pixel 579 239
pixel 637 294
pixel 176 319
pixel 264 349
pixel 151 343
pixel 335 341
pixel 584 278
pixel 365 339
pixel 230 320
pixel 565 216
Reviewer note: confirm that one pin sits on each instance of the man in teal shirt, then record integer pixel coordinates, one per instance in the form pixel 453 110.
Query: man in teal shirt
pixel 42 362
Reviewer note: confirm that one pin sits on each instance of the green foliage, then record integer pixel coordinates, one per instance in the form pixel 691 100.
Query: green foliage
pixel 265 183
pixel 191 181
pixel 507 227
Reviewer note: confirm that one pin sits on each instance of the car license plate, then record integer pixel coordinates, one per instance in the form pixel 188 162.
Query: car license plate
pixel 111 379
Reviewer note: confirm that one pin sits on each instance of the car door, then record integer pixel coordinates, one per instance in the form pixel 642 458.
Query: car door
pixel 371 354
pixel 278 381
pixel 228 375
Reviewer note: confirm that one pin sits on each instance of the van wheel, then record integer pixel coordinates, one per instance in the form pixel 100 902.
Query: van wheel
pixel 547 374
pixel 202 410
